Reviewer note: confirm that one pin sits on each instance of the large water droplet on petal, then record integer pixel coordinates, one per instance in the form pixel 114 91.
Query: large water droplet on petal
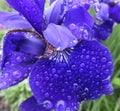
pixel 60 106
pixel 47 104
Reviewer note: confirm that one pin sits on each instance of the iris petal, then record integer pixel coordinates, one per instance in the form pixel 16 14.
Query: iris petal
pixel 40 4
pixel 103 31
pixel 78 15
pixel 19 56
pixel 103 12
pixel 31 105
pixel 14 20
pixel 85 76
pixel 59 36
pixel 80 22
pixel 30 10
pixel 54 12
pixel 113 11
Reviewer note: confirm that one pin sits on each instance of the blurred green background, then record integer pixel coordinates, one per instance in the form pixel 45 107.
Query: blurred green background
pixel 13 96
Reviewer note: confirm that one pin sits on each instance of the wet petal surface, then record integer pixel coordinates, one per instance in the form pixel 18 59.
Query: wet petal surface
pixel 31 10
pixel 72 76
pixel 31 105
pixel 80 22
pixel 20 51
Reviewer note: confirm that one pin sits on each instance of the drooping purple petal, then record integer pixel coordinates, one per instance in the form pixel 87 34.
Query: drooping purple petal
pixel 30 10
pixel 59 36
pixel 71 76
pixel 103 31
pixel 21 50
pixel 31 105
pixel 54 12
pixel 114 12
pixel 14 20
pixel 80 22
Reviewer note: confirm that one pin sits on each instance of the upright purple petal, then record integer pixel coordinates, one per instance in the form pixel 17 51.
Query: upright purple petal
pixel 31 105
pixel 78 15
pixel 21 50
pixel 59 36
pixel 30 10
pixel 80 22
pixel 74 75
pixel 54 12
pixel 14 20
pixel 103 13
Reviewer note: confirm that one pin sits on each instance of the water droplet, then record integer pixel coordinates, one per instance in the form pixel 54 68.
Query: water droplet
pixel 60 106
pixel 53 70
pixel 29 68
pixel 82 65
pixel 4 83
pixel 37 83
pixel 69 97
pixel 46 94
pixel 97 76
pixel 87 57
pixel 63 90
pixel 106 71
pixel 83 50
pixel 93 59
pixel 75 86
pixel 7 63
pixel 19 59
pixel 73 67
pixel 47 104
pixel 69 72
pixel 24 58
pixel 50 84
pixel 72 26
pixel 17 74
pixel 86 90
pixel 56 76
pixel 12 65
pixel 82 56
pixel 109 63
pixel 104 59
pixel 68 109
pixel 81 70
pixel 47 78
pixel 6 75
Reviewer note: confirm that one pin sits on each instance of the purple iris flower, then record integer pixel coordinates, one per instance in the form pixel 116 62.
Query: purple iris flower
pixel 57 51
pixel 109 9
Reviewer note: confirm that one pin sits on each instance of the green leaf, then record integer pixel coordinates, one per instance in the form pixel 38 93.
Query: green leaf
pixel 116 81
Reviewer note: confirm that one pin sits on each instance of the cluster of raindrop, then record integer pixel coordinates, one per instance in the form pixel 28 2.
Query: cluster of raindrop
pixel 74 3
pixel 60 105
pixel 82 32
